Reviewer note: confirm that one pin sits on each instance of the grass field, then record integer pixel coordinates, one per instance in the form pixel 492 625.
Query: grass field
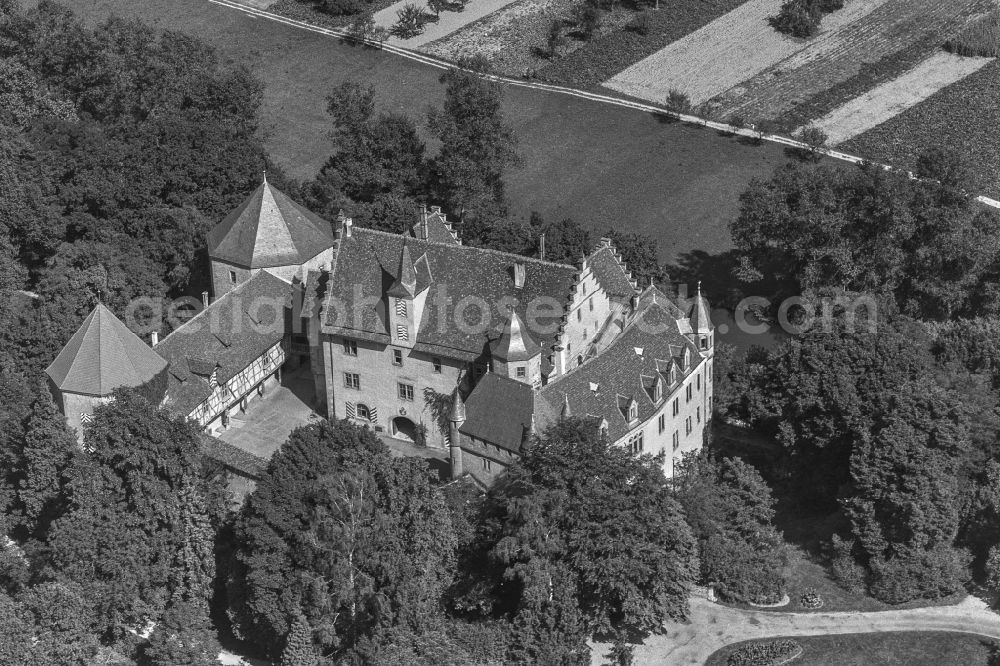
pixel 599 164
pixel 885 649
pixel 964 116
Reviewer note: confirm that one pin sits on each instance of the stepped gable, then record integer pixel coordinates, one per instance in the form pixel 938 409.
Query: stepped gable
pixel 225 337
pixel 269 229
pixel 434 226
pixel 499 411
pixel 367 265
pixel 610 271
pixel 619 369
pixel 104 355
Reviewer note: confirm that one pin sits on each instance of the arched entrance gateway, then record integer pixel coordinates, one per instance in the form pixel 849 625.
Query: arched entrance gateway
pixel 404 428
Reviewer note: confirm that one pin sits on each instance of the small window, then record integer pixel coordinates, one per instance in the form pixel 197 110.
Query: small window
pixel 352 380
pixel 351 347
pixel 480 371
pixel 698 414
pixel 677 406
pixel 405 391
pixel 708 373
pixel 704 342
pixel 584 334
pixel 663 423
pixel 486 464
pixel 363 412
pixel 437 364
pixel 232 277
pixel 579 315
pixel 688 393
pixel 521 372
pixel 636 444
pixel 591 303
pixel 677 440
pixel 633 411
pixel 687 424
pixel 698 381
pixel 397 357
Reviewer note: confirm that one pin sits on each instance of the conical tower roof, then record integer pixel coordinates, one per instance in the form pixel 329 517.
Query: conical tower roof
pixel 269 229
pixel 103 355
pixel 701 322
pixel 457 406
pixel 565 412
pixel 515 344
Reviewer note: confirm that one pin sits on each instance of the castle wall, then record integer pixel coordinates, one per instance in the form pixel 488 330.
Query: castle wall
pixel 379 379
pixel 222 280
pixel 588 313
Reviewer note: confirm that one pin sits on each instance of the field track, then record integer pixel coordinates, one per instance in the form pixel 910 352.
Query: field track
pixel 892 98
pixel 447 23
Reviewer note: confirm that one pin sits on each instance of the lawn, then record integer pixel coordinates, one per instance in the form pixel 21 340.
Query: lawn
pixel 885 649
pixel 963 116
pixel 599 164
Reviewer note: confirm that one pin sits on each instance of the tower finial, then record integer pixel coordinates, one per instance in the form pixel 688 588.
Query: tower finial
pixel 265 176
pixel 699 288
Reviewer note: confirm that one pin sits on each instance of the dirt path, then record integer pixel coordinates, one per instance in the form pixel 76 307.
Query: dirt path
pixel 713 626
pixel 448 22
pixel 892 98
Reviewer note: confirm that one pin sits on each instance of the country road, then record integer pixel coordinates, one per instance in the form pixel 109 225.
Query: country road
pixel 714 626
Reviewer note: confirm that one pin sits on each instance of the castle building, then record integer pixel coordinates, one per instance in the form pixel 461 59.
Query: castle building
pixel 417 336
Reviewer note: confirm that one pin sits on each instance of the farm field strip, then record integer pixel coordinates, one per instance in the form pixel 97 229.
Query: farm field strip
pixel 729 51
pixel 448 22
pixel 891 28
pixel 892 98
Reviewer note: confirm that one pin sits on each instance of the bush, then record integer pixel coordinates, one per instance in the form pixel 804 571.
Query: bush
pixel 362 27
pixel 588 19
pixel 409 21
pixel 556 39
pixel 981 38
pixel 642 23
pixel 678 102
pixel 738 121
pixel 801 18
pixel 340 7
pixel 762 653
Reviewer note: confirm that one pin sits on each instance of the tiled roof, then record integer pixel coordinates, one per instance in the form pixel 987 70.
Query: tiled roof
pixel 232 457
pixel 269 229
pixel 103 355
pixel 610 273
pixel 650 343
pixel 438 229
pixel 229 334
pixel 515 343
pixel 367 263
pixel 499 411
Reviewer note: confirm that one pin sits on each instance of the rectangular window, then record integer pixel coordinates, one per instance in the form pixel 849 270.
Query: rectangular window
pixel 677 440
pixel 397 357
pixel 636 444
pixel 579 315
pixel 663 423
pixel 486 464
pixel 687 423
pixel 405 391
pixel 677 406
pixel 688 393
pixel 351 347
pixel 698 415
pixel 698 380
pixel 352 380
pixel 232 277
pixel 521 372
pixel 591 303
pixel 437 364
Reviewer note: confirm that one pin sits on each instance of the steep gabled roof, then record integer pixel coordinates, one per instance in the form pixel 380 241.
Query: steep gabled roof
pixel 367 264
pixel 252 316
pixel 596 386
pixel 103 355
pixel 610 272
pixel 269 229
pixel 499 411
pixel 515 343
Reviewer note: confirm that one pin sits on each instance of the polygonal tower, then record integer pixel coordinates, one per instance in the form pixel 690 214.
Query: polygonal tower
pixel 515 354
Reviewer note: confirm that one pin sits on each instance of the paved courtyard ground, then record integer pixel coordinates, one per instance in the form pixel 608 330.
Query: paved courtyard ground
pixel 269 420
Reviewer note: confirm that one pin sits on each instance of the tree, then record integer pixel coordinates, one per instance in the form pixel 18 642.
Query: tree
pixel 565 241
pixel 947 167
pixel 183 637
pixel 61 616
pixel 639 254
pixel 362 27
pixel 730 510
pixel 137 534
pixel 555 39
pixel 477 146
pixel 359 541
pixel 552 523
pixel 409 21
pixel 588 19
pixel 678 102
pixel 815 138
pixel 437 5
pixel 299 649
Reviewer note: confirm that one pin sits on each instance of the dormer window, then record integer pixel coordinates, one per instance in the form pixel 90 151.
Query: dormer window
pixel 633 411
pixel 704 342
pixel 658 390
pixel 686 359
pixel 673 374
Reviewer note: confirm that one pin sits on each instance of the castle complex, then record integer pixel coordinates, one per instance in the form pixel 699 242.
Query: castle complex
pixel 415 335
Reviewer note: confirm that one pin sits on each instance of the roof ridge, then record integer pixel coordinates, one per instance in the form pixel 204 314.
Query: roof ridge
pixel 518 257
pixel 122 344
pixel 238 288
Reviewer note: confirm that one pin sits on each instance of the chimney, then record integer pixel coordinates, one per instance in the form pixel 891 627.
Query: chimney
pixel 154 338
pixel 348 224
pixel 204 298
pixel 423 222
pixel 519 275
pixel 541 246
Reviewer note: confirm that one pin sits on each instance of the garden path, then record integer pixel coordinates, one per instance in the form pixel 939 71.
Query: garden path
pixel 713 626
pixel 448 22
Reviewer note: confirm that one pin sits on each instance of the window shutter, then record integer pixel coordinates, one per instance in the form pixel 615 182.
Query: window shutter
pixel 350 410
pixel 402 333
pixel 400 307
pixel 373 414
